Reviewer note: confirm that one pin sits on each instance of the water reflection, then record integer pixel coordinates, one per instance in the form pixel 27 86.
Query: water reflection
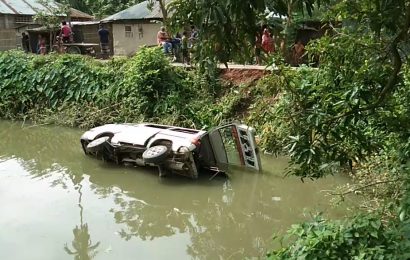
pixel 222 218
pixel 82 247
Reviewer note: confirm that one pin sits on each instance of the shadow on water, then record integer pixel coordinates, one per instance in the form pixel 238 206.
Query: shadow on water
pixel 224 218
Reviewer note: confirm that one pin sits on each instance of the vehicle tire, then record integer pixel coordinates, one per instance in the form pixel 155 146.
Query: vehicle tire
pixel 73 50
pixel 155 154
pixel 97 144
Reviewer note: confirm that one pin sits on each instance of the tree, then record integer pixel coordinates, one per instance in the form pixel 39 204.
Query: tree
pixel 77 4
pixel 51 16
pixel 102 8
pixel 353 110
pixel 227 28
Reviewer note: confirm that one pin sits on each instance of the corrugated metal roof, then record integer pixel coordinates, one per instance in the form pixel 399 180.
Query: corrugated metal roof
pixel 138 12
pixel 23 7
pixel 31 7
pixel 4 9
pixel 85 23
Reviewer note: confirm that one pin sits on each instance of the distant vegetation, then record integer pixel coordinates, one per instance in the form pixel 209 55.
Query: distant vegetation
pixel 100 8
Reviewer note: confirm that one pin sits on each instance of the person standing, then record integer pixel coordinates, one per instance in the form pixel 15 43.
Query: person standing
pixel 258 48
pixel 267 41
pixel 299 51
pixel 41 45
pixel 25 42
pixel 104 35
pixel 59 45
pixel 163 40
pixel 194 36
pixel 65 32
pixel 185 48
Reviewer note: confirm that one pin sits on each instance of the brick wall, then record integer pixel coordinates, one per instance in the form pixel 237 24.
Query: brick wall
pixel 89 34
pixel 8 39
pixel 6 22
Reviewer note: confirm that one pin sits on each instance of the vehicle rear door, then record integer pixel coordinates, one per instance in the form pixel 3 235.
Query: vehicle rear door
pixel 234 144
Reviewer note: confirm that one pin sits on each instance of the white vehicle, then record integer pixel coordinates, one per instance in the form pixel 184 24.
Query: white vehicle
pixel 174 149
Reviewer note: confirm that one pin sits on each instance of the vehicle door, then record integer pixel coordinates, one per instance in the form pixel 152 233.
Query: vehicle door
pixel 235 144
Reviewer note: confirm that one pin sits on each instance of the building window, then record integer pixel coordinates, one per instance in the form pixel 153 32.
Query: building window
pixel 140 31
pixel 128 31
pixel 23 19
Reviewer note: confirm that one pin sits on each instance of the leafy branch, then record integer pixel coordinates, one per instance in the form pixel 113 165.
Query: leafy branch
pixel 397 64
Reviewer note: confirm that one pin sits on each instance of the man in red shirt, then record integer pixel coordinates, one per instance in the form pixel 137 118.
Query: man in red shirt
pixel 65 32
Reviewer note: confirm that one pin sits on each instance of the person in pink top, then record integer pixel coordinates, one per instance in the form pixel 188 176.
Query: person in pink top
pixel 41 45
pixel 268 44
pixel 65 32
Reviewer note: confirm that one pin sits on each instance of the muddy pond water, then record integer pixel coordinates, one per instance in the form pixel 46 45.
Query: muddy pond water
pixel 56 203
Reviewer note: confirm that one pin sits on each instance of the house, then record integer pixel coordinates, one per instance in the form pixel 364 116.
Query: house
pixel 16 16
pixel 135 27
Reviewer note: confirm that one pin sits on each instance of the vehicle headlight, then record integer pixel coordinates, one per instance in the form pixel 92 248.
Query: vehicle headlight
pixel 184 152
pixel 184 149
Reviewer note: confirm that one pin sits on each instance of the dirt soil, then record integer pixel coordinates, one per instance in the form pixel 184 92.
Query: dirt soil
pixel 242 76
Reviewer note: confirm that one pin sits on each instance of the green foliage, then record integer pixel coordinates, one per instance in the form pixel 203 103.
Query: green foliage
pixel 47 80
pixel 147 81
pixel 51 16
pixel 262 114
pixel 342 112
pixel 227 28
pixel 362 237
pixel 78 91
pixel 101 8
pixel 352 110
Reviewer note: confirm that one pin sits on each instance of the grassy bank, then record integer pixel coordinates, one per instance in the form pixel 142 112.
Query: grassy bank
pixel 81 92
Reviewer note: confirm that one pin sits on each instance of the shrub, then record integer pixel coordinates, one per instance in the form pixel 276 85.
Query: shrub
pixel 361 237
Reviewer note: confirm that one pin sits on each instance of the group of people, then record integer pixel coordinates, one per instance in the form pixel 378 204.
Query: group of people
pixel 65 36
pixel 178 45
pixel 265 41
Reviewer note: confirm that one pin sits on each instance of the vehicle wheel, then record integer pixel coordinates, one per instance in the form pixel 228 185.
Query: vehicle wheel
pixel 73 50
pixel 97 144
pixel 155 154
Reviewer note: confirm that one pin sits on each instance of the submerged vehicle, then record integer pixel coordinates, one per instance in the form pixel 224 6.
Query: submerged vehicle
pixel 174 149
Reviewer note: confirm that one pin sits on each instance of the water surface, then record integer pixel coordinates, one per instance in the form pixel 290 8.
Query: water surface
pixel 56 203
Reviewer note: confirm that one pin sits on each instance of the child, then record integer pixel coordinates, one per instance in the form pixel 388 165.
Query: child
pixel 41 45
